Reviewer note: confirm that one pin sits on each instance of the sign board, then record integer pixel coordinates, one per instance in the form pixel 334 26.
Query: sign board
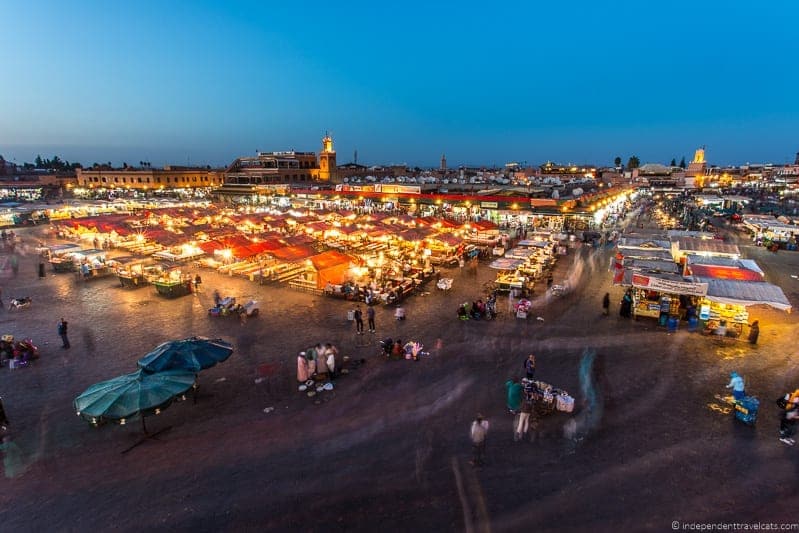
pixel 489 205
pixel 397 189
pixel 670 286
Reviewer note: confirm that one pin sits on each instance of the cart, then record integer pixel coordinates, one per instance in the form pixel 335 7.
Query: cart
pixel 225 307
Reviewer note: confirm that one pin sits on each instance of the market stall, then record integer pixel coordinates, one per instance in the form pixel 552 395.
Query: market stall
pixel 173 283
pixel 728 301
pixel 136 272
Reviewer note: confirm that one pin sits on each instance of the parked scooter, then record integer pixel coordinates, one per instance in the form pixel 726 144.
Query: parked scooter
pixel 20 303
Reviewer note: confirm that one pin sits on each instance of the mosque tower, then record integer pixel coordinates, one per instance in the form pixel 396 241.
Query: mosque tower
pixel 327 159
pixel 698 166
pixel 443 163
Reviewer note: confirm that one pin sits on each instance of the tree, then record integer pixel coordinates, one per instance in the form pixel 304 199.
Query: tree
pixel 617 161
pixel 673 162
pixel 38 162
pixel 682 162
pixel 633 162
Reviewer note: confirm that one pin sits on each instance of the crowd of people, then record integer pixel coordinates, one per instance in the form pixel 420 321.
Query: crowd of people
pixel 319 362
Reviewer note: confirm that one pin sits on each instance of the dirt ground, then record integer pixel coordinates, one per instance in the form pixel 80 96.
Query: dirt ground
pixel 388 449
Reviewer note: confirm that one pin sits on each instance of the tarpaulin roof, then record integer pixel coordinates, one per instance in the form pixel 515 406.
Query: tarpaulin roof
pixel 292 253
pixel 233 241
pixel 209 246
pixel 745 293
pixel 748 264
pixel 318 226
pixel 652 265
pixel 725 272
pixel 242 252
pixel 296 240
pixel 415 234
pixel 330 259
pixel 506 263
pixel 645 243
pixel 484 225
pixel 707 246
pixel 447 238
pixel 262 246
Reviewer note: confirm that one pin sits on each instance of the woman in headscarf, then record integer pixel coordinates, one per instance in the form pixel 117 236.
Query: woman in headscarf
pixel 302 368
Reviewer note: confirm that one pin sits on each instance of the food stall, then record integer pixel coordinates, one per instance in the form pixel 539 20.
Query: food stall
pixel 136 272
pixel 663 296
pixel 727 300
pixel 173 283
pixel 508 278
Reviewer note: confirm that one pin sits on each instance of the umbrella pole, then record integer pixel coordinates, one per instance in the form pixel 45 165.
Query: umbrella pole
pixel 146 436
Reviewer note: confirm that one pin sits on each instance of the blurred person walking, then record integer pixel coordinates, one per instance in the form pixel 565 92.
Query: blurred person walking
pixel 62 332
pixel 478 434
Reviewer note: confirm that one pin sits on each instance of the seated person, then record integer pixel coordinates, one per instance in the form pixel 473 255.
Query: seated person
pixel 388 345
pixel 481 307
pixel 397 350
pixel 721 329
pixel 475 311
pixel 462 313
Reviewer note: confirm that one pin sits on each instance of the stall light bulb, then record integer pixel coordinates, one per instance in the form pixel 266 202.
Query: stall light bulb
pixel 121 421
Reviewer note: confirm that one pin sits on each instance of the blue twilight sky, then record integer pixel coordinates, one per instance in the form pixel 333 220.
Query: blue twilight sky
pixel 483 82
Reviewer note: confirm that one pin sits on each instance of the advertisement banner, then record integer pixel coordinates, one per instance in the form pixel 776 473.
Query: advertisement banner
pixel 388 188
pixel 666 285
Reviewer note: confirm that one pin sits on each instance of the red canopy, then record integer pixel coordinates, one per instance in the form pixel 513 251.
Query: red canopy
pixel 291 254
pixel 725 272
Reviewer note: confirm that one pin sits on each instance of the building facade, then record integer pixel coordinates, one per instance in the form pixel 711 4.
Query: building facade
pixel 148 179
pixel 259 174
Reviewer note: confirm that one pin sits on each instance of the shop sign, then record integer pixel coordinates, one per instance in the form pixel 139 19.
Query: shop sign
pixel 489 205
pixel 666 285
pixel 397 189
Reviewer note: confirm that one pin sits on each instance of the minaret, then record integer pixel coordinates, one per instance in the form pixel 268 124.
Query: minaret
pixel 796 161
pixel 327 159
pixel 698 166
pixel 443 163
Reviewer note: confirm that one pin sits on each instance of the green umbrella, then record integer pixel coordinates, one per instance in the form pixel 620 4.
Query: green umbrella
pixel 139 393
pixel 194 353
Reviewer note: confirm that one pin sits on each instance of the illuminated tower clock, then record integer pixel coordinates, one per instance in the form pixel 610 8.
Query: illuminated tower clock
pixel 327 159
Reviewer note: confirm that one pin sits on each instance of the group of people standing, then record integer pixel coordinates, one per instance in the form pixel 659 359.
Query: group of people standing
pixel 358 317
pixel 317 362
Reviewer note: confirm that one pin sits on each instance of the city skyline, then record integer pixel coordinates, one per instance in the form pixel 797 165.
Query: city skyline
pixel 202 84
